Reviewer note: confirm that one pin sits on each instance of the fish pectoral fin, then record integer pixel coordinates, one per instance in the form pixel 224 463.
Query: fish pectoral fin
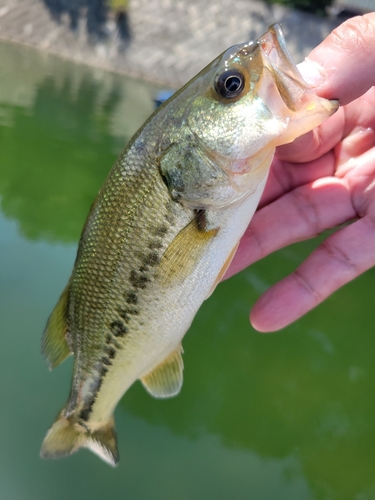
pixel 66 437
pixel 55 346
pixel 180 258
pixel 166 379
pixel 223 270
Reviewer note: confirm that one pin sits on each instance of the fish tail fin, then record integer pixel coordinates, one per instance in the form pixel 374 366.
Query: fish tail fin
pixel 65 437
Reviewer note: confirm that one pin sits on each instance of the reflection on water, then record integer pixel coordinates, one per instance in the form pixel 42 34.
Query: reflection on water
pixel 62 126
pixel 284 416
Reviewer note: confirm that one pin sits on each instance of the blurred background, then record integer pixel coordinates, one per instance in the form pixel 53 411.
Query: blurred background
pixel 265 417
pixel 165 41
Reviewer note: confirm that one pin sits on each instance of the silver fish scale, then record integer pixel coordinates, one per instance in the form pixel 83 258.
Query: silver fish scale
pixel 134 210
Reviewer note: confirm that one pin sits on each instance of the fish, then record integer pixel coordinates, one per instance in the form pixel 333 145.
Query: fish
pixel 163 230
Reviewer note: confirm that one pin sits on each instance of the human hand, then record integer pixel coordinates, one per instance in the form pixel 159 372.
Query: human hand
pixel 320 181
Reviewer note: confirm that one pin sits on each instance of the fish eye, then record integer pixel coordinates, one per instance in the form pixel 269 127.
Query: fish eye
pixel 230 83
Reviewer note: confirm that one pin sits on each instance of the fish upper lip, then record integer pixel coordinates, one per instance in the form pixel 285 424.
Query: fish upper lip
pixel 276 55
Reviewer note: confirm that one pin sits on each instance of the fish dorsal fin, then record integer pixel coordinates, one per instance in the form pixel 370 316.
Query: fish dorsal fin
pixel 180 258
pixel 165 380
pixel 54 344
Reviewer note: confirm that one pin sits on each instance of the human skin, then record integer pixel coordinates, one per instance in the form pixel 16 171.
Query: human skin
pixel 322 180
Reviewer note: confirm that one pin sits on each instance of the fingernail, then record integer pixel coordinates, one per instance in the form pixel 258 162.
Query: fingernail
pixel 312 73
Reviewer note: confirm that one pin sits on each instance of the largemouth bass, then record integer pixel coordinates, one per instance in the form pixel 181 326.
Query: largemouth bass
pixel 163 230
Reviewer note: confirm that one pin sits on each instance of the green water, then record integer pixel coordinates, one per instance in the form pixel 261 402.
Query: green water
pixel 265 417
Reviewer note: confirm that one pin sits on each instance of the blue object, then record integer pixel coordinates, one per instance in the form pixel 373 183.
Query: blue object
pixel 162 96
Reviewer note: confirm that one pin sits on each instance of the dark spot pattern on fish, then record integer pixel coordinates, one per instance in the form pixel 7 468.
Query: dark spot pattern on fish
pixel 106 361
pixel 131 298
pixel 111 351
pixel 85 413
pixel 138 280
pixel 161 230
pixel 118 328
pixel 155 245
pixel 110 340
pixel 87 408
pixel 126 313
pixel 151 259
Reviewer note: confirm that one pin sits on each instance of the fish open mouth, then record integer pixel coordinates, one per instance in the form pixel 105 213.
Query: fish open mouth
pixel 285 75
pixel 276 54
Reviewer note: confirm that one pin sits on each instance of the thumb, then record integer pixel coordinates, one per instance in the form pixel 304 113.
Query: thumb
pixel 343 65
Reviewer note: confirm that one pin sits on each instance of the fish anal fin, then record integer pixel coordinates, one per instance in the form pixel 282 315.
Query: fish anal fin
pixel 166 379
pixel 180 258
pixel 223 269
pixel 66 437
pixel 54 343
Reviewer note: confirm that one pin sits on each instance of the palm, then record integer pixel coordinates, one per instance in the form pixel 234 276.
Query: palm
pixel 321 181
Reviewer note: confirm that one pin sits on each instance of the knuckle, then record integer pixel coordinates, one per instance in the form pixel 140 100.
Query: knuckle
pixel 340 256
pixel 307 212
pixel 305 284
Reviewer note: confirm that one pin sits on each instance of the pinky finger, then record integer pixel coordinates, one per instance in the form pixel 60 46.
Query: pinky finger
pixel 339 259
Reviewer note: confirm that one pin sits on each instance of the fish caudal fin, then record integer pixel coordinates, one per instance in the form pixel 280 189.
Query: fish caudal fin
pixel 54 344
pixel 66 437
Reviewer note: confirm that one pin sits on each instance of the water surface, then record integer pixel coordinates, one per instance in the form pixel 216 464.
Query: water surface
pixel 267 417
